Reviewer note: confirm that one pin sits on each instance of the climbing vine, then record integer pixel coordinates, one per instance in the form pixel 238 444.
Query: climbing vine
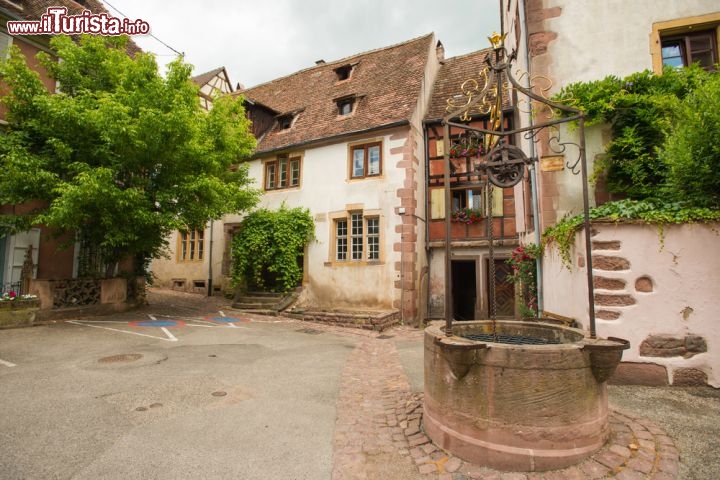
pixel 524 275
pixel 654 119
pixel 267 250
pixel 665 152
pixel 562 234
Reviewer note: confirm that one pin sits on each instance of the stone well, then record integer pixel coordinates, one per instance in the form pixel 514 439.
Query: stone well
pixel 518 407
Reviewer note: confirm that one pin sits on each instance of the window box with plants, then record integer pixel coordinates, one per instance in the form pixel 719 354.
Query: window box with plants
pixel 18 310
pixel 466 148
pixel 467 215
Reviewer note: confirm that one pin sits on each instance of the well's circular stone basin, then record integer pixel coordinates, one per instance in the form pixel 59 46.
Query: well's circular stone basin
pixel 515 407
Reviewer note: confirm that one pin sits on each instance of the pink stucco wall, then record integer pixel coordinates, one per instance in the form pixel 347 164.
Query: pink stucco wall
pixel 659 289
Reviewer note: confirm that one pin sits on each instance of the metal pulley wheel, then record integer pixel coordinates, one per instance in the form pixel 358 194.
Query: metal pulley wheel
pixel 505 165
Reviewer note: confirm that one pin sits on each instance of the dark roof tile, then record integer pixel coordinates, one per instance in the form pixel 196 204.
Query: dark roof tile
pixel 386 83
pixel 449 82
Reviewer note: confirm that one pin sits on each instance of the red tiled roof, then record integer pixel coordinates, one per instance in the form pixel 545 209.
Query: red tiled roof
pixel 454 72
pixel 386 83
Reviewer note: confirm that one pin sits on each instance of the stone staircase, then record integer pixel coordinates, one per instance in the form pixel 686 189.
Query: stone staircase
pixel 264 303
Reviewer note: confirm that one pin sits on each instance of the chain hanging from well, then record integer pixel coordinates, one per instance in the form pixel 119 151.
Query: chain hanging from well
pixel 492 303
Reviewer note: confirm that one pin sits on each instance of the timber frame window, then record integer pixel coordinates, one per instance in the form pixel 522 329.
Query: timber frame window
pixel 684 41
pixel 356 238
pixel 284 172
pixel 366 160
pixel 191 246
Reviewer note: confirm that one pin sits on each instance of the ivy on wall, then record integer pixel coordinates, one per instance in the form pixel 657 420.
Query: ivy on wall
pixel 664 156
pixel 665 128
pixel 267 251
pixel 562 234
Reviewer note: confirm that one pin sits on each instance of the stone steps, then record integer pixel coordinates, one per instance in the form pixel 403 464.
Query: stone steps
pixel 264 303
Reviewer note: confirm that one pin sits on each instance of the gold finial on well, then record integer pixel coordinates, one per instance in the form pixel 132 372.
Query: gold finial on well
pixel 497 40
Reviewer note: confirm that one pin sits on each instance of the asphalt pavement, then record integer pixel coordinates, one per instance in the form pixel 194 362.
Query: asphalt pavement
pixel 188 388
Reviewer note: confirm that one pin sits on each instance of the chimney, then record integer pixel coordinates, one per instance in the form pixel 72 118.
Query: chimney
pixel 440 51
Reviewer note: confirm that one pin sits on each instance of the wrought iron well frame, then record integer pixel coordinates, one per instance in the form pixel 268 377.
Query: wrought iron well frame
pixel 498 68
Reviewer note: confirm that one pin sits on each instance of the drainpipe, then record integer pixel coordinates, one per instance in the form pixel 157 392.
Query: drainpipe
pixel 533 167
pixel 210 260
pixel 427 223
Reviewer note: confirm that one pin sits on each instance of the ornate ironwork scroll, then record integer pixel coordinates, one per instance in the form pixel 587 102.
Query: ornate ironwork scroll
pixel 502 163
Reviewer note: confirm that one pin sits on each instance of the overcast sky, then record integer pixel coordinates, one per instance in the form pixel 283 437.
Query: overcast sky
pixel 260 40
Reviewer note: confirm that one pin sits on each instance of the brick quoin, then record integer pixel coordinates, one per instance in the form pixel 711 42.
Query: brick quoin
pixel 406 232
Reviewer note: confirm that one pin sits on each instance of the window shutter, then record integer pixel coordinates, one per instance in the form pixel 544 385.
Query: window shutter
pixel 437 203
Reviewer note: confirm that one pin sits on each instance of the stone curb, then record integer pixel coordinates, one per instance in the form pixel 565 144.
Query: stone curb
pixel 379 420
pixel 637 449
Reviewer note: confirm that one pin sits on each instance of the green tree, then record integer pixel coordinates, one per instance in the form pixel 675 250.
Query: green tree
pixel 268 246
pixel 120 154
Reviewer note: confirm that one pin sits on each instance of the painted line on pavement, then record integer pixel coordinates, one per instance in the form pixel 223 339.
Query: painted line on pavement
pixel 121 331
pixel 170 335
pixel 6 363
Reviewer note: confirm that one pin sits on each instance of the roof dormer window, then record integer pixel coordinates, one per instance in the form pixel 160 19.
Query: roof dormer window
pixel 285 122
pixel 345 106
pixel 344 72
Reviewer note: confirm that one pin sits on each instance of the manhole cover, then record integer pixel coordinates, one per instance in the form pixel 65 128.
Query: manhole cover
pixel 123 357
pixel 219 394
pixel 309 331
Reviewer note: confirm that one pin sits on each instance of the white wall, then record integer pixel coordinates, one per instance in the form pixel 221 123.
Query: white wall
pixel 685 272
pixel 165 269
pixel 596 39
pixel 325 189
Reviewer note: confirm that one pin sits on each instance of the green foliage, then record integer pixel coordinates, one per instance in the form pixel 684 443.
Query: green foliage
pixel 120 153
pixel 692 150
pixel 266 250
pixel 641 110
pixel 524 275
pixel 563 233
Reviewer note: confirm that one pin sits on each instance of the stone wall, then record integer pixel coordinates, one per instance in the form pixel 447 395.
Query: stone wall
pixel 656 288
pixel 63 298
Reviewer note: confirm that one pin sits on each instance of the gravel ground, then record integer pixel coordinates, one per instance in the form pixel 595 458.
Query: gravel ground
pixel 690 416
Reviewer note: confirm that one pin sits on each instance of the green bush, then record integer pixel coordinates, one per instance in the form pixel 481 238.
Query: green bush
pixel 691 152
pixel 642 111
pixel 266 250
pixel 562 234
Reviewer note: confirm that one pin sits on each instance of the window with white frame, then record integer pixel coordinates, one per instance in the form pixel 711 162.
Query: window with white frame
pixel 357 238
